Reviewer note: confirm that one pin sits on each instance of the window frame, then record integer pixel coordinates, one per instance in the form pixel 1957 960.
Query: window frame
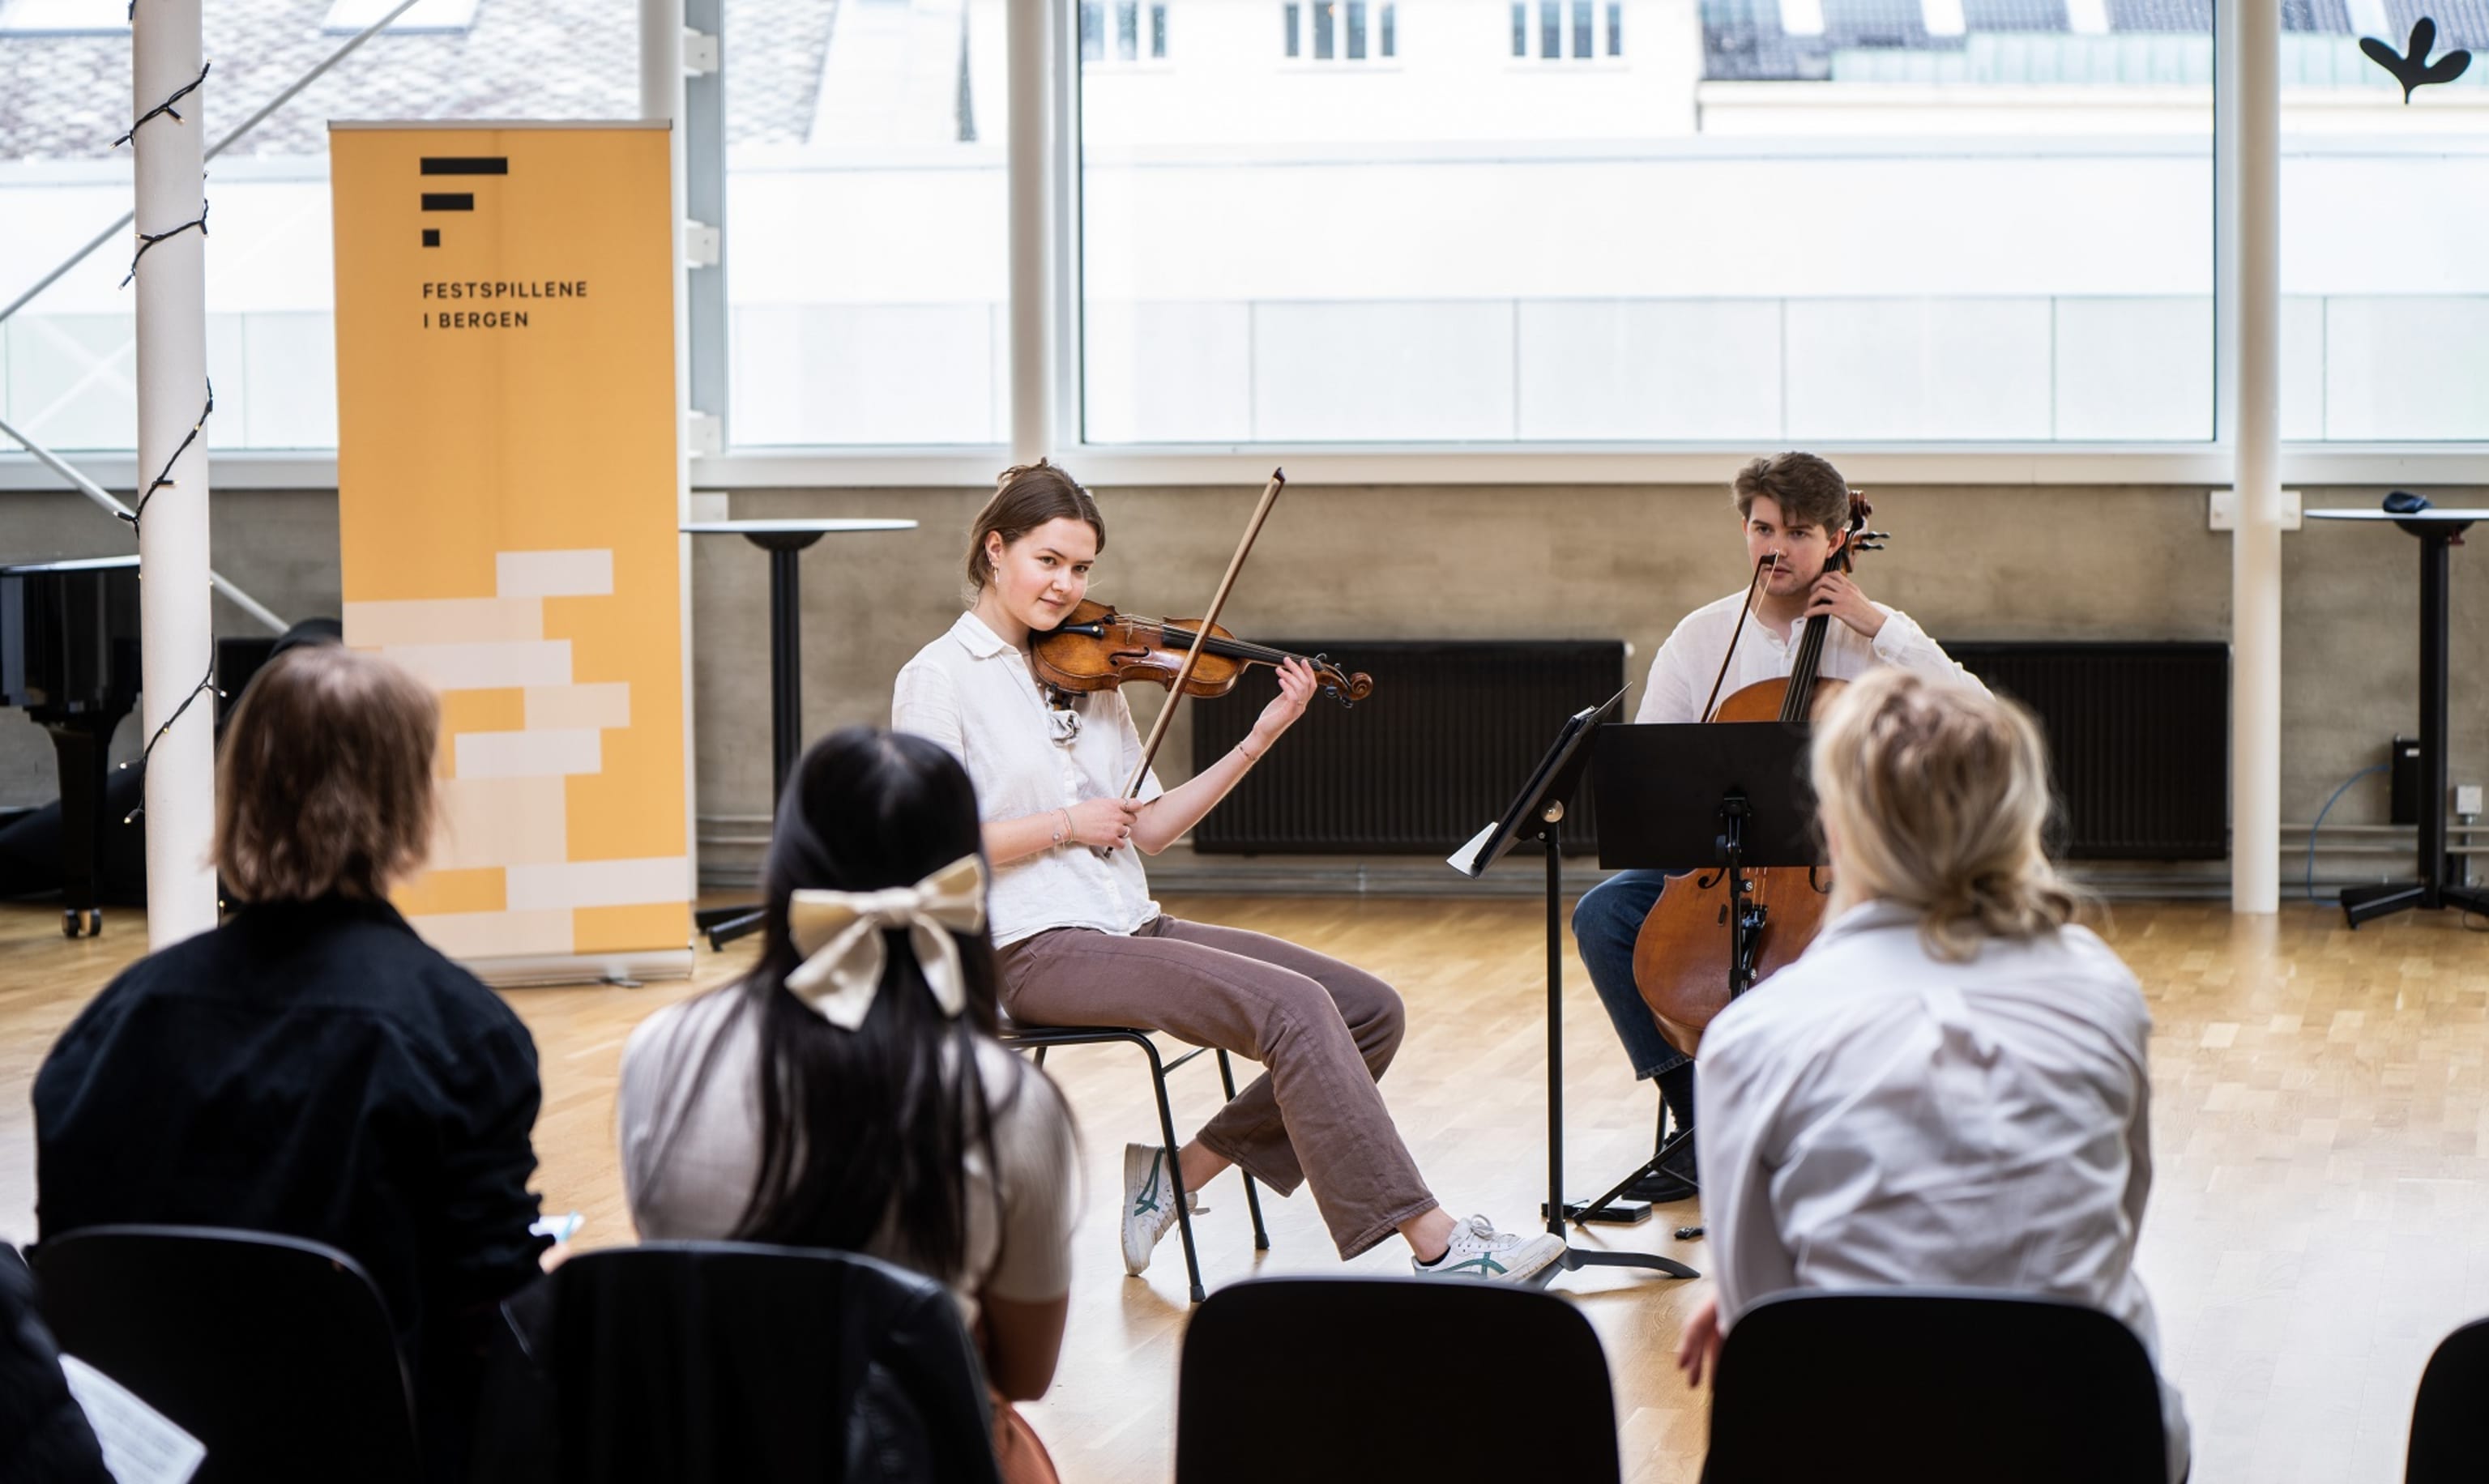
pixel 2207 462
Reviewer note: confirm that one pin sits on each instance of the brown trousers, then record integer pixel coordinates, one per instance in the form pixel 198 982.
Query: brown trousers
pixel 1324 1031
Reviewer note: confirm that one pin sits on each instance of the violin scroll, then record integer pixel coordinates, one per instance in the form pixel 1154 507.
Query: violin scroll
pixel 1342 686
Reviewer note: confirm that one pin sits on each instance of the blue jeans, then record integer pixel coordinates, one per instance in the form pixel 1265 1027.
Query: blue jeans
pixel 1605 924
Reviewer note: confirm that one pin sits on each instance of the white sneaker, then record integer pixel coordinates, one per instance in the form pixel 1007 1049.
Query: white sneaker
pixel 1479 1252
pixel 1149 1203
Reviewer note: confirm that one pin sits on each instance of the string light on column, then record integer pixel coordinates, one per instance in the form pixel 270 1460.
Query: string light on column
pixel 206 686
pixel 169 108
pixel 163 479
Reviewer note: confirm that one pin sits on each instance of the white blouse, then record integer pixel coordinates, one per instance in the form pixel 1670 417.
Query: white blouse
pixel 1873 1116
pixel 1683 672
pixel 690 1115
pixel 973 693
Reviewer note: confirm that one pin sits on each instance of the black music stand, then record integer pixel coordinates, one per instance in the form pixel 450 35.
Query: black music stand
pixel 1535 812
pixel 2439 533
pixel 1729 795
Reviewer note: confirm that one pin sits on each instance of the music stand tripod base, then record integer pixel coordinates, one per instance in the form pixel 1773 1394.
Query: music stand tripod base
pixel 1611 1212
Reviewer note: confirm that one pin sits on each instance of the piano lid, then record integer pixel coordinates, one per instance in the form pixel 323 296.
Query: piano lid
pixel 75 565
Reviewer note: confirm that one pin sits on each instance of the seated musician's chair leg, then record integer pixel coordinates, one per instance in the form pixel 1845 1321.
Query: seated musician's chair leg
pixel 1175 1166
pixel 1158 1070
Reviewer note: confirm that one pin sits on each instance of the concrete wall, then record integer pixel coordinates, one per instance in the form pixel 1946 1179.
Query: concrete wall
pixel 1389 562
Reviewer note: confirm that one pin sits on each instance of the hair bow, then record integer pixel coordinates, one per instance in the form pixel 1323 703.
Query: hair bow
pixel 839 935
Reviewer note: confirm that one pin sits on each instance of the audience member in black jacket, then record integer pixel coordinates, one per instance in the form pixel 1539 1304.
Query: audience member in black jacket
pixel 312 1066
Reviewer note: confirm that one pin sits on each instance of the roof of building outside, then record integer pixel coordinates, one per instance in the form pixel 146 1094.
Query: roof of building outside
pixel 68 96
pixel 2038 40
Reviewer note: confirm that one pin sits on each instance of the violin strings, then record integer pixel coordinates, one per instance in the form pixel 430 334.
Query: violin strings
pixel 1230 648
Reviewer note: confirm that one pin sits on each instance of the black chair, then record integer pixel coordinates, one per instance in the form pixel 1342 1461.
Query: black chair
pixel 2449 1435
pixel 1039 1038
pixel 44 1433
pixel 704 1362
pixel 274 1351
pixel 1933 1386
pixel 1363 1378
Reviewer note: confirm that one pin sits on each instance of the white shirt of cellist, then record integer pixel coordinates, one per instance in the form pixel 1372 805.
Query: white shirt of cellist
pixel 1681 675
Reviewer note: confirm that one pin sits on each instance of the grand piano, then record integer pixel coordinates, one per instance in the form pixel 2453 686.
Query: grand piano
pixel 68 658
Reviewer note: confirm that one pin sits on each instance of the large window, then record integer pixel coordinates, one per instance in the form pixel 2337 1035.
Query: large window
pixel 1140 30
pixel 867 255
pixel 2385 233
pixel 1844 220
pixel 1341 30
pixel 67 366
pixel 1519 222
pixel 1558 30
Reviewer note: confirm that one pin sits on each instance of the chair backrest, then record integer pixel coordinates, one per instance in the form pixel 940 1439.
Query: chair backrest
pixel 1373 1378
pixel 2449 1433
pixel 274 1351
pixel 1936 1387
pixel 691 1363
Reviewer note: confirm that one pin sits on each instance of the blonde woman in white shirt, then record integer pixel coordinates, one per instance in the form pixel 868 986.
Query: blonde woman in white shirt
pixel 1949 1089
pixel 1080 942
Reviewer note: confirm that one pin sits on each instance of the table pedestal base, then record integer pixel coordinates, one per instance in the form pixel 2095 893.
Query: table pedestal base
pixel 2366 903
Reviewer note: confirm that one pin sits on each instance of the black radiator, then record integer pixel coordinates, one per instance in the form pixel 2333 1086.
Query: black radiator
pixel 1449 736
pixel 2140 733
pixel 2140 737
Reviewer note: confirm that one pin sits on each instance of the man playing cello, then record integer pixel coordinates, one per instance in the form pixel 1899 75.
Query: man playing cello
pixel 1794 511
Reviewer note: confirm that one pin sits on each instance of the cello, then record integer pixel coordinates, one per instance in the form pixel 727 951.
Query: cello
pixel 1684 956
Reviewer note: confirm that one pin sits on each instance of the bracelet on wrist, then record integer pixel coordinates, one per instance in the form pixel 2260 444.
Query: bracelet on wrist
pixel 1250 755
pixel 1065 833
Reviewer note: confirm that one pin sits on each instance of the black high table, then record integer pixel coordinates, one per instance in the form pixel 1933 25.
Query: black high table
pixel 783 541
pixel 2439 531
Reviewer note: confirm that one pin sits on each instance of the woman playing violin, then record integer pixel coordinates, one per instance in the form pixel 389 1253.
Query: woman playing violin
pixel 1080 942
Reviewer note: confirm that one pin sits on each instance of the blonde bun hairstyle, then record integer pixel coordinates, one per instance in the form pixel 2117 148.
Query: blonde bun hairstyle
pixel 1934 796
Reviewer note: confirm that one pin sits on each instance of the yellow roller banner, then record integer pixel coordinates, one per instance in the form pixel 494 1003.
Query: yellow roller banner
pixel 507 508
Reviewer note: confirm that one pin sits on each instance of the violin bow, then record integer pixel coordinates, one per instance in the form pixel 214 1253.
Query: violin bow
pixel 1201 634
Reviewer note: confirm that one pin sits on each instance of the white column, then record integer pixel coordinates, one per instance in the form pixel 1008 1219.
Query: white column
pixel 1031 43
pixel 175 635
pixel 661 100
pixel 2255 546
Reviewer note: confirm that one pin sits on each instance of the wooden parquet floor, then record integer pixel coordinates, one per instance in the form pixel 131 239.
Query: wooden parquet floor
pixel 2321 1116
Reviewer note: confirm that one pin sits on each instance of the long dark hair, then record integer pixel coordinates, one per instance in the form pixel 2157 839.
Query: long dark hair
pixel 871 1127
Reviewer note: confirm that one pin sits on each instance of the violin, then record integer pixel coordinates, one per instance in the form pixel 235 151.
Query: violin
pixel 1681 957
pixel 1098 648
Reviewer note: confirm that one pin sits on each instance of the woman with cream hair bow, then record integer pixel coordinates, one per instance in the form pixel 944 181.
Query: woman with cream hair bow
pixel 848 1092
